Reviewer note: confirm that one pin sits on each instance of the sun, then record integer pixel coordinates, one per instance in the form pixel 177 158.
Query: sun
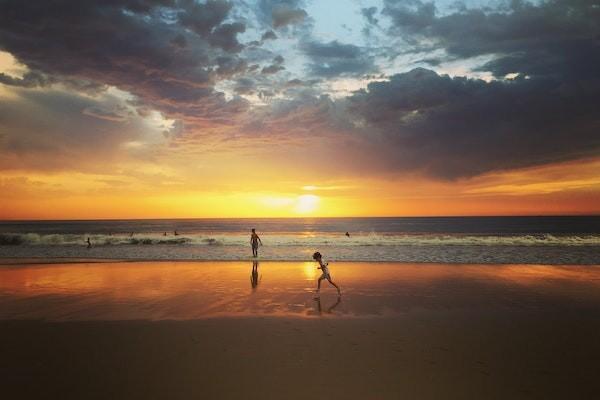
pixel 307 203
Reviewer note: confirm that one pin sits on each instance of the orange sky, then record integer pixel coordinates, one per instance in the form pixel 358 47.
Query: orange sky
pixel 567 188
pixel 262 177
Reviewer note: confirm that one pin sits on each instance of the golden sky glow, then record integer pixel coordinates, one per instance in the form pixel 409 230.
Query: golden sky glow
pixel 568 188
pixel 368 112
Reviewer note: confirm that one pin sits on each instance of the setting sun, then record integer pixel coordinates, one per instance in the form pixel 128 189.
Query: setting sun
pixel 307 203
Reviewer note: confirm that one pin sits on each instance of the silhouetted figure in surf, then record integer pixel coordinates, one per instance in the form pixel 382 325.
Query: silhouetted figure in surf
pixel 254 241
pixel 165 234
pixel 254 276
pixel 347 234
pixel 175 233
pixel 89 243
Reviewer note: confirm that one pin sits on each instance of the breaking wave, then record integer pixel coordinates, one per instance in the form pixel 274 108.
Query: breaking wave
pixel 311 240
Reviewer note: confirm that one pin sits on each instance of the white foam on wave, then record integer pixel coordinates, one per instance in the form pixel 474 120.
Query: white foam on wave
pixel 310 240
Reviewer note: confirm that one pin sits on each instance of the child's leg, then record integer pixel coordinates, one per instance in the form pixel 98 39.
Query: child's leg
pixel 319 283
pixel 336 286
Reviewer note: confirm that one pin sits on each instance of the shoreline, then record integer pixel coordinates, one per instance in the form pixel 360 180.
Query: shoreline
pixel 8 261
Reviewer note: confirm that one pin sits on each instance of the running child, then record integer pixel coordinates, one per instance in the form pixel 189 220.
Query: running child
pixel 323 266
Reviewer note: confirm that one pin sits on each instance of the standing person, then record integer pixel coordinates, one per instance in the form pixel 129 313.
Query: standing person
pixel 89 243
pixel 254 241
pixel 324 266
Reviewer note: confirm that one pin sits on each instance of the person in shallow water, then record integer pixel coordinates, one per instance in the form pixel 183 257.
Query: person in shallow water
pixel 324 266
pixel 254 241
pixel 89 244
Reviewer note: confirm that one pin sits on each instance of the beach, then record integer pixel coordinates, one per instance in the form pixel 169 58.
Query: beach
pixel 201 329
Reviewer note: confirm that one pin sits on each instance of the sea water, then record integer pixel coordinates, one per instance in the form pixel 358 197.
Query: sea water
pixel 530 240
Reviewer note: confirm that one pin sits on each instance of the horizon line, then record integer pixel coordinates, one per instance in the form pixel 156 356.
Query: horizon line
pixel 300 217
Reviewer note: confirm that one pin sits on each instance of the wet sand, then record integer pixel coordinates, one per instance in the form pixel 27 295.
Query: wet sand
pixel 200 330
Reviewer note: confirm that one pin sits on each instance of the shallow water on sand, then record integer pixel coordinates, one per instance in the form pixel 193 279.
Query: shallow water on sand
pixel 196 290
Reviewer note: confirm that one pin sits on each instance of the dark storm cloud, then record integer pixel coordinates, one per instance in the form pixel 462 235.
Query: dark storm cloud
pixel 169 53
pixel 450 128
pixel 553 38
pixel 459 127
pixel 335 58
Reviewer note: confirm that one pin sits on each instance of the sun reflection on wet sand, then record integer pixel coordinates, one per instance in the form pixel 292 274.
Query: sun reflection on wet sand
pixel 191 290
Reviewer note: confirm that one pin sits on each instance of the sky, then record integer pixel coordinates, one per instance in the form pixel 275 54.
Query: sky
pixel 291 108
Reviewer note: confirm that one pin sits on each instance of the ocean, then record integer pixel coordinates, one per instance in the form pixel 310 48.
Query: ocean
pixel 479 240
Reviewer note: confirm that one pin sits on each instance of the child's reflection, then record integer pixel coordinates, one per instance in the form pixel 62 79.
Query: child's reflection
pixel 329 310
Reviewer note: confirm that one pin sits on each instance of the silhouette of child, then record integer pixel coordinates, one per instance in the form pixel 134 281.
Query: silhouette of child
pixel 324 266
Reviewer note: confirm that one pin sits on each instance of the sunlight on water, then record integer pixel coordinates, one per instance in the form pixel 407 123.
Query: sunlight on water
pixel 190 290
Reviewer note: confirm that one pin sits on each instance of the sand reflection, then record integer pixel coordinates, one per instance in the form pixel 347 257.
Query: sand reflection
pixel 191 290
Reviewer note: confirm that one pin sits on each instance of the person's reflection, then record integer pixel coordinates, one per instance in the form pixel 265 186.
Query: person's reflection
pixel 254 276
pixel 329 309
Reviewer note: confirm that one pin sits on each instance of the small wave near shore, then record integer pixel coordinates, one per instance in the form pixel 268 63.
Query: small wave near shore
pixel 370 239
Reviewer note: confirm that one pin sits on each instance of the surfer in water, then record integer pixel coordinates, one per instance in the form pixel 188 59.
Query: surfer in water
pixel 89 243
pixel 254 241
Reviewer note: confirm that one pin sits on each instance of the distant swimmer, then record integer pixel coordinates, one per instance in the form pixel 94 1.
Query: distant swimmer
pixel 254 241
pixel 165 234
pixel 89 243
pixel 347 234
pixel 175 233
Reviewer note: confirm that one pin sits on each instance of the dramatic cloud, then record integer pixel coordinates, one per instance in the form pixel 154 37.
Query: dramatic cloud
pixel 334 58
pixel 35 135
pixel 269 35
pixel 280 13
pixel 556 38
pixel 275 67
pixel 285 15
pixel 168 53
pixel 225 73
pixel 457 127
